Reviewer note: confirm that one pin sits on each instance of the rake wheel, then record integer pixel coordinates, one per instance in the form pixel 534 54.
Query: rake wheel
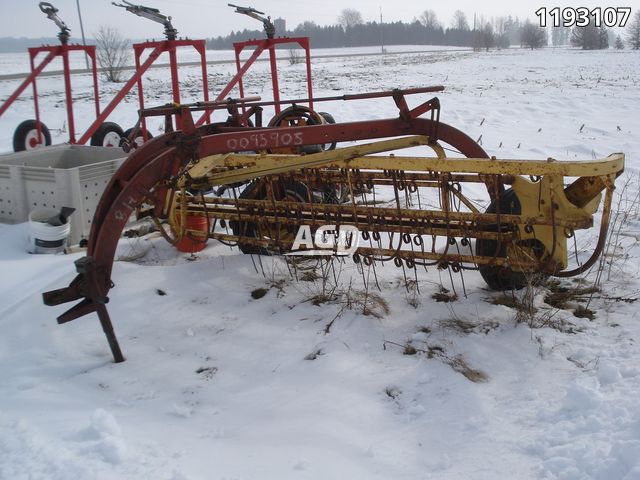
pixel 291 191
pixel 502 278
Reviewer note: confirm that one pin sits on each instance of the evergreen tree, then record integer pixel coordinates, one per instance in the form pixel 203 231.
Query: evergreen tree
pixel 633 32
pixel 590 37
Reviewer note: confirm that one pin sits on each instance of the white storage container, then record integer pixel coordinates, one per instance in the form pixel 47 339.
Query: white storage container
pixel 55 177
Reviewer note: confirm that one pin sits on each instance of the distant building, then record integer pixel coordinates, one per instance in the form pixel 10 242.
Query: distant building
pixel 281 25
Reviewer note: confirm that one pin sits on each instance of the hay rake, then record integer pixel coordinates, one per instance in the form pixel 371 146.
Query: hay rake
pixel 413 211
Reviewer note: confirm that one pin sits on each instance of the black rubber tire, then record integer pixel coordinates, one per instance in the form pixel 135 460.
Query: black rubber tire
pixel 501 278
pixel 329 119
pixel 103 138
pixel 140 137
pixel 294 190
pixel 23 138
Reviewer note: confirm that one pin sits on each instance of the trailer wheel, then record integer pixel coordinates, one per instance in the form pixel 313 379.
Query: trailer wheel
pixel 139 138
pixel 26 136
pixel 107 135
pixel 500 277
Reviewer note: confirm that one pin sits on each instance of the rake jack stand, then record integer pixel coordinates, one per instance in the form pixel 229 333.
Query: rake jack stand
pixel 86 285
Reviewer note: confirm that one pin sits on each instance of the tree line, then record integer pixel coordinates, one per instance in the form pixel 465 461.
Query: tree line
pixel 500 32
pixel 352 31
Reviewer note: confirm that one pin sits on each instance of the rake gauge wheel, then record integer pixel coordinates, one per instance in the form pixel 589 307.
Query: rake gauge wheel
pixel 499 277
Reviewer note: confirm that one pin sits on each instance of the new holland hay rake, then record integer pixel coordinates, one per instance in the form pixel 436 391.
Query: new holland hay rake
pixel 293 181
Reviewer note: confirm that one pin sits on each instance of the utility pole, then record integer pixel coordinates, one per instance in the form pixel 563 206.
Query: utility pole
pixel 84 42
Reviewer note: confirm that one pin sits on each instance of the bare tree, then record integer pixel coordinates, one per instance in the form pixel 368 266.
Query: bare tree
pixel 633 32
pixel 112 52
pixel 500 25
pixel 560 35
pixel 532 35
pixel 459 21
pixel 429 19
pixel 350 17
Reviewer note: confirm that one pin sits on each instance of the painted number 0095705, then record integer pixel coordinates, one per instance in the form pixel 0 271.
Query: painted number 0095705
pixel 583 16
pixel 257 141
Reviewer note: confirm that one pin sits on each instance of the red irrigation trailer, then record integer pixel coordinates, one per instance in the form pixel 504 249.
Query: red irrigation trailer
pixel 32 134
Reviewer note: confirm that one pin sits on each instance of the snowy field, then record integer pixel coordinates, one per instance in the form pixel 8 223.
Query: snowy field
pixel 218 385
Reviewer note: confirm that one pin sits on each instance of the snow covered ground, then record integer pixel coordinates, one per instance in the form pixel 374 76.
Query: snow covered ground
pixel 220 385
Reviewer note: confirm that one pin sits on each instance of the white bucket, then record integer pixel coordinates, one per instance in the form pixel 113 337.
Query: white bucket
pixel 45 238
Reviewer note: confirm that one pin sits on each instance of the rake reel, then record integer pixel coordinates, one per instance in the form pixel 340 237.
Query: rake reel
pixel 410 210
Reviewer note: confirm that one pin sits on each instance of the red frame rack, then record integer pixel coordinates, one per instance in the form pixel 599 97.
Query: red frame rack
pixel 157 48
pixel 52 52
pixel 268 44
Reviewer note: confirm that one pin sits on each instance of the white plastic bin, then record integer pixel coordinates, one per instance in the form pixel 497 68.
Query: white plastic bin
pixel 52 177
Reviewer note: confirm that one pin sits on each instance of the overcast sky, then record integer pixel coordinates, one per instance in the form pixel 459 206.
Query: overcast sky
pixel 209 18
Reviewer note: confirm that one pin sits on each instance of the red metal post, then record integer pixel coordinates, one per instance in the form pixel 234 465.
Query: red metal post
pixel 35 93
pixel 274 75
pixel 175 82
pixel 91 51
pixel 137 52
pixel 305 44
pixel 201 49
pixel 67 92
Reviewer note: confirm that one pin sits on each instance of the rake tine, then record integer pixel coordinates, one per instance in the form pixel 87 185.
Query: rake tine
pixel 464 287
pixel 261 266
pixel 375 275
pixel 453 285
pixel 333 271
